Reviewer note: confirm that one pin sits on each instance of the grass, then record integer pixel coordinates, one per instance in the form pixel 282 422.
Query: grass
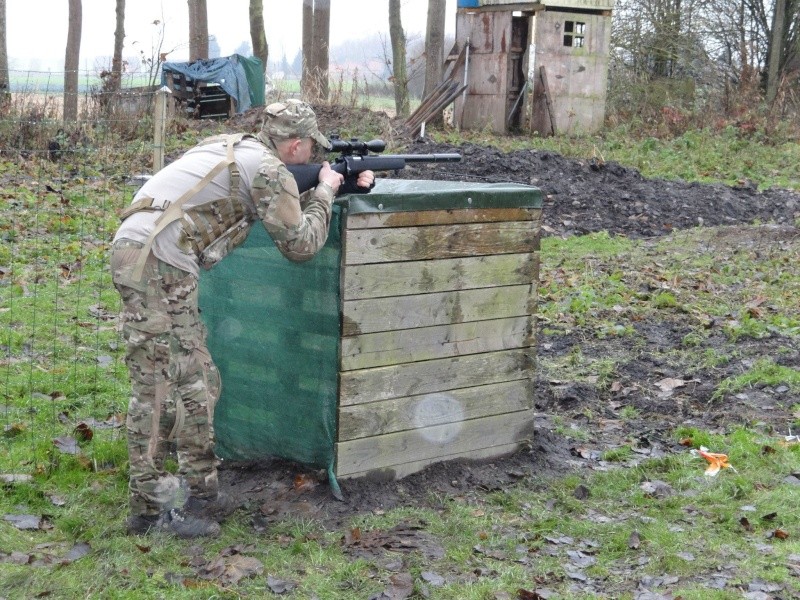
pixel 60 366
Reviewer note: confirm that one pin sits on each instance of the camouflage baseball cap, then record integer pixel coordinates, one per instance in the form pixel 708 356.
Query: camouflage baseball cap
pixel 291 119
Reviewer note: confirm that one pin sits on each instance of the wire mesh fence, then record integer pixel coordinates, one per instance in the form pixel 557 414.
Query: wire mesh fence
pixel 63 386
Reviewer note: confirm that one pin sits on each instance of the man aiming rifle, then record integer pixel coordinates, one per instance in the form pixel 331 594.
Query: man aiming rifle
pixel 189 215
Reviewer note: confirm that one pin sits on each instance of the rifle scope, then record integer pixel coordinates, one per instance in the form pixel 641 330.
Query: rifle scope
pixel 355 146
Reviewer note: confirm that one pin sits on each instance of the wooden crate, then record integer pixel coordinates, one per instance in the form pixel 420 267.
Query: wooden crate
pixel 437 348
pixel 200 99
pixel 408 340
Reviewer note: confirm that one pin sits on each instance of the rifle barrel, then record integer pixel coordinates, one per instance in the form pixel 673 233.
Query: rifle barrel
pixel 431 157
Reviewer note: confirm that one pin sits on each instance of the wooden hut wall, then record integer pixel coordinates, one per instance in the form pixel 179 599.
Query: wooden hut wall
pixel 489 36
pixel 577 76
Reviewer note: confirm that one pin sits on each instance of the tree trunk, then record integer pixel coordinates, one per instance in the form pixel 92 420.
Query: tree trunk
pixel 198 30
pixel 72 60
pixel 434 50
pixel 308 49
pixel 258 36
pixel 399 77
pixel 775 50
pixel 4 79
pixel 434 45
pixel 116 61
pixel 322 34
pixel 316 40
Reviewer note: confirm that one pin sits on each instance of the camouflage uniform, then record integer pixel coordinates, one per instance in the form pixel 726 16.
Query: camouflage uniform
pixel 174 382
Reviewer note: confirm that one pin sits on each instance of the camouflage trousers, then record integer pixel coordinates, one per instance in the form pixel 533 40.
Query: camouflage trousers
pixel 174 383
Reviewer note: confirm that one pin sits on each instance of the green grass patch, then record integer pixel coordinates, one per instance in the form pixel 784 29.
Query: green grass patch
pixel 763 372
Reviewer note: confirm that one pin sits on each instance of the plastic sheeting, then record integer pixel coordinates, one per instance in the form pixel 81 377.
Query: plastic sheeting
pixel 242 77
pixel 274 334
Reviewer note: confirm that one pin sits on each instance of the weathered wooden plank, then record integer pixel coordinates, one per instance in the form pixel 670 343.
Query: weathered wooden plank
pixel 441 217
pixel 438 408
pixel 384 451
pixel 381 280
pixel 383 383
pixel 400 471
pixel 424 310
pixel 428 343
pixel 438 241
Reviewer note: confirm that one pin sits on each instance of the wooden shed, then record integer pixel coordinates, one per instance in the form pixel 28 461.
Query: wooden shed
pixel 538 67
pixel 408 340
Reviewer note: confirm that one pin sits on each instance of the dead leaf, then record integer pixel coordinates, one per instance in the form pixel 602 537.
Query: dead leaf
pixel 523 594
pixel 25 521
pixel 634 540
pixel 745 522
pixel 11 478
pixel 581 492
pixel 352 536
pixel 67 445
pixel 657 489
pixel 669 383
pixel 401 587
pixel 781 534
pixel 83 433
pixel 78 551
pixel 57 500
pixel 14 429
pixel 230 570
pixel 279 586
pixel 432 578
pixel 304 482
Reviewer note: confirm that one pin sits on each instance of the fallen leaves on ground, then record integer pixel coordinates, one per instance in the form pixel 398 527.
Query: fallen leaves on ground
pixel 230 566
pixel 404 537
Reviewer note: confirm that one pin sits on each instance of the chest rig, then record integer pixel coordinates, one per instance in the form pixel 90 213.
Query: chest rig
pixel 209 230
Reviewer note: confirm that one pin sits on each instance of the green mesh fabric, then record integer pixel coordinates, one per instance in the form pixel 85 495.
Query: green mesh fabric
pixel 273 332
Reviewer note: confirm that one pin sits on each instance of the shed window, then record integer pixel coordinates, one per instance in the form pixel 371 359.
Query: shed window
pixel 574 34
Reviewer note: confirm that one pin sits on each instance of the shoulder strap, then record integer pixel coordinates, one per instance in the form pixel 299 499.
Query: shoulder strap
pixel 175 210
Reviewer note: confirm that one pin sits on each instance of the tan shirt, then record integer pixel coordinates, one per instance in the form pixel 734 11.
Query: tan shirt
pixel 299 226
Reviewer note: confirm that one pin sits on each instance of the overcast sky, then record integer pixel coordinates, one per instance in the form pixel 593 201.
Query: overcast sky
pixel 37 29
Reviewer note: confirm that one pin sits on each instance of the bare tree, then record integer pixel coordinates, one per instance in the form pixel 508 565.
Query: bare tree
pixel 258 36
pixel 399 76
pixel 4 79
pixel 434 45
pixel 322 34
pixel 316 40
pixel 776 54
pixel 119 37
pixel 198 30
pixel 72 60
pixel 308 49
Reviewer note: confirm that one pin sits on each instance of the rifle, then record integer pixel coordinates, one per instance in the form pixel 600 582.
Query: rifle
pixel 357 156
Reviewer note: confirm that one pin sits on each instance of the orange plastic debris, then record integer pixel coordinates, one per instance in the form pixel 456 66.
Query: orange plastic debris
pixel 716 461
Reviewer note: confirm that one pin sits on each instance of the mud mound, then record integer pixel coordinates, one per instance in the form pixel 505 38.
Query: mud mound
pixel 583 196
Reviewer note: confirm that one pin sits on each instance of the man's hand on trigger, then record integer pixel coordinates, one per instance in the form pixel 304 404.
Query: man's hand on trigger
pixel 366 179
pixel 331 177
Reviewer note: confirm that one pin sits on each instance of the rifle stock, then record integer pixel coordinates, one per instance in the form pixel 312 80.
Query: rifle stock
pixel 307 176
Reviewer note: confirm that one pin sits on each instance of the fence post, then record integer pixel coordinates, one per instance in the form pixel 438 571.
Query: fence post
pixel 160 123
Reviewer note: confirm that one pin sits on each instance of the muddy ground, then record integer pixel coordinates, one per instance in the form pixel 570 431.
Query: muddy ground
pixel 579 197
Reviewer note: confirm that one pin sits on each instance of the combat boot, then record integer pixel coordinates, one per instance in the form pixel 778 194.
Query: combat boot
pixel 217 509
pixel 186 525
